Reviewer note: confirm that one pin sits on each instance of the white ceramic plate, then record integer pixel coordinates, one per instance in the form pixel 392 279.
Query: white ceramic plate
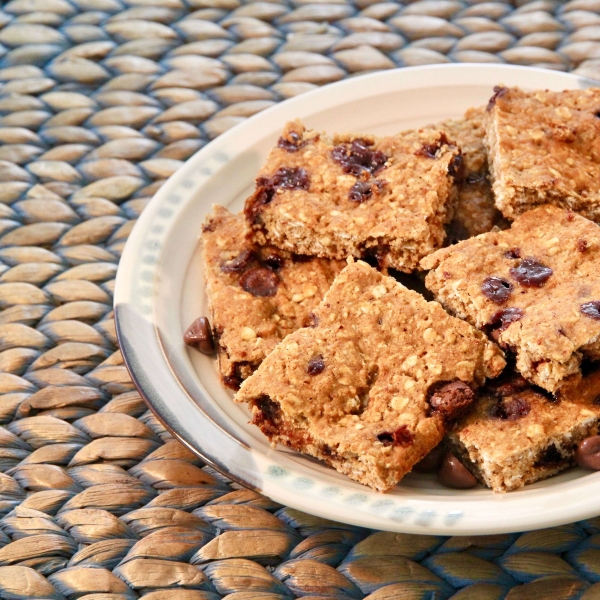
pixel 160 291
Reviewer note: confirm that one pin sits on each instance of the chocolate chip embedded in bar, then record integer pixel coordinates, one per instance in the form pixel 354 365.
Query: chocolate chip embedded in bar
pixel 356 195
pixel 256 295
pixel 372 386
pixel 519 436
pixel 452 400
pixel 530 289
pixel 544 147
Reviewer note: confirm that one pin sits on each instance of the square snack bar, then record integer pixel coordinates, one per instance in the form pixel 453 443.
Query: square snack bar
pixel 534 288
pixel 544 147
pixel 256 296
pixel 356 195
pixel 475 211
pixel 516 435
pixel 371 387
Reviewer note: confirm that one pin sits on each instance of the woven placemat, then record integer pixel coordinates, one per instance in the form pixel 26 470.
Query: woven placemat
pixel 100 101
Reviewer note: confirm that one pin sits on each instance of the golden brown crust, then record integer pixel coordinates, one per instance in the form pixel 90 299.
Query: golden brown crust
pixel 379 350
pixel 544 147
pixel 247 326
pixel 554 332
pixel 409 198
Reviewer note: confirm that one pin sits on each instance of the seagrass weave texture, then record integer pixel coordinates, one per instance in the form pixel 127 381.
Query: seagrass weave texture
pixel 100 101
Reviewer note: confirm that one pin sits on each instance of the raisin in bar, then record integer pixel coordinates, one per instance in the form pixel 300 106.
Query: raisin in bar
pixel 475 211
pixel 371 387
pixel 517 435
pixel 256 296
pixel 544 147
pixel 386 199
pixel 534 288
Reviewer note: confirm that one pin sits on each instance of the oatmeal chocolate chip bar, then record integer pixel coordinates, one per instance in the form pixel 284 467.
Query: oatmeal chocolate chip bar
pixel 382 198
pixel 256 296
pixel 517 436
pixel 475 211
pixel 371 387
pixel 544 147
pixel 534 288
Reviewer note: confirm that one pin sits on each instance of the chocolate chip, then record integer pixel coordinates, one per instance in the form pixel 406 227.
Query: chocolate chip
pixel 273 261
pixel 266 414
pixel 358 158
pixel 516 408
pixel 234 380
pixel 261 197
pixel 596 401
pixel 199 335
pixel 452 473
pixel 531 273
pixel 364 190
pixel 511 409
pixel 591 309
pixel 550 457
pixel 288 178
pixel 316 365
pixel 513 253
pixel 582 245
pixel 431 150
pixel 431 462
pixel 428 150
pixel 496 289
pixel 260 282
pixel 292 142
pixel 499 91
pixel 451 400
pixel 269 409
pixel 401 437
pixel 456 168
pixel 239 263
pixel 502 318
pixel 507 384
pixel 291 178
